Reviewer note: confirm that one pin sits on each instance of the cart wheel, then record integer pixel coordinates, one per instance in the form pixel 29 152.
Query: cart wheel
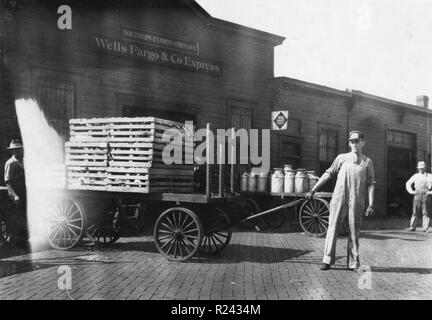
pixel 105 233
pixel 178 234
pixel 216 241
pixel 314 217
pixel 274 220
pixel 65 224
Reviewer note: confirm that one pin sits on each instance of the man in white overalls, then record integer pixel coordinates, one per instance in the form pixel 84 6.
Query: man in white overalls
pixel 422 182
pixel 355 185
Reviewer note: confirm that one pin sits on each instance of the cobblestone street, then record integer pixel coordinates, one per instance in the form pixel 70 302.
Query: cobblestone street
pixel 256 265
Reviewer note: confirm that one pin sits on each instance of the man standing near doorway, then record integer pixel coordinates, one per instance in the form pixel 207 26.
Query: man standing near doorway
pixel 355 185
pixel 422 182
pixel 14 178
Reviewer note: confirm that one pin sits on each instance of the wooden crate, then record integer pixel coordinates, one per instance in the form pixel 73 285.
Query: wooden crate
pixel 86 154
pixel 125 155
pixel 78 176
pixel 91 130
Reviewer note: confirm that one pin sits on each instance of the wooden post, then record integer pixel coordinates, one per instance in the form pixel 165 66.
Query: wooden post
pixel 220 153
pixel 208 181
pixel 233 150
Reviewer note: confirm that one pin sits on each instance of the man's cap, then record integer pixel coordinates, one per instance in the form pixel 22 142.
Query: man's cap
pixel 356 135
pixel 421 165
pixel 15 144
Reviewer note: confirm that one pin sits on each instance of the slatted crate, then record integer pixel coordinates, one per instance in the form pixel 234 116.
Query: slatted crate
pixel 131 155
pixel 90 130
pixel 86 154
pixel 87 178
pixel 122 179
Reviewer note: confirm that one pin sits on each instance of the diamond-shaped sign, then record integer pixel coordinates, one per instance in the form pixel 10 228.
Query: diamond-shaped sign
pixel 280 120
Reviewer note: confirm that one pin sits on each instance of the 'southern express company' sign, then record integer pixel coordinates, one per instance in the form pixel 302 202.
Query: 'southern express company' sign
pixel 158 50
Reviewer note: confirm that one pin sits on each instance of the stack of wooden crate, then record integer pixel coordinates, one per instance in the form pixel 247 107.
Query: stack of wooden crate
pixel 125 155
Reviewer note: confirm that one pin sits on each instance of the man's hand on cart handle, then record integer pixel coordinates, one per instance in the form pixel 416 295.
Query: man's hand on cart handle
pixel 310 195
pixel 370 210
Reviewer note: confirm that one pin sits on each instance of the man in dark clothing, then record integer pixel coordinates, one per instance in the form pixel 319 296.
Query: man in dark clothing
pixel 14 178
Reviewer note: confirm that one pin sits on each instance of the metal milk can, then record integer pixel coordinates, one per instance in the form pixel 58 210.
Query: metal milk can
pixel 252 181
pixel 262 183
pixel 301 181
pixel 289 181
pixel 244 182
pixel 277 181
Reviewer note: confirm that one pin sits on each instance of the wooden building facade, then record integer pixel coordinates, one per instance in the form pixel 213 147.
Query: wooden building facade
pixel 163 58
pixel 320 119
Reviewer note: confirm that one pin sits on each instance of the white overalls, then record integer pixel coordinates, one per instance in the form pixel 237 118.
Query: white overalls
pixel 349 197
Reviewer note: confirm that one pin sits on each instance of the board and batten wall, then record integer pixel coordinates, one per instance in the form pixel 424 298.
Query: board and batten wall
pixel 38 52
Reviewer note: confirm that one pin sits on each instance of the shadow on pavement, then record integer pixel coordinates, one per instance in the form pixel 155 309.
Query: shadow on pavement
pixel 400 235
pixel 401 270
pixel 11 267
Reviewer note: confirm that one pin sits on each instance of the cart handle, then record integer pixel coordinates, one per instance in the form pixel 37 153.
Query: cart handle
pixel 284 206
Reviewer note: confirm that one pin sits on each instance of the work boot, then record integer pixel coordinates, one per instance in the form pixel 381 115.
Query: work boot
pixel 324 266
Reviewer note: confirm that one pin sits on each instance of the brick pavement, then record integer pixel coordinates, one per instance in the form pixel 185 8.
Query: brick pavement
pixel 255 265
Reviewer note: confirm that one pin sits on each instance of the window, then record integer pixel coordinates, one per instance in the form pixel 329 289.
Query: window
pixel 57 100
pixel 327 149
pixel 241 118
pixel 289 152
pixel 400 139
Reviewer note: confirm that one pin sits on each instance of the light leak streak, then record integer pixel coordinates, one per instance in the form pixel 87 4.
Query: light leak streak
pixel 44 168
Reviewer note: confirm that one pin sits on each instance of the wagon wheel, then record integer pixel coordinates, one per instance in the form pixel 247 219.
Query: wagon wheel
pixel 274 220
pixel 215 241
pixel 314 217
pixel 105 233
pixel 65 224
pixel 178 234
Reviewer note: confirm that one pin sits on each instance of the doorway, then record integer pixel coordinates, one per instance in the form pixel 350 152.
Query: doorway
pixel 401 166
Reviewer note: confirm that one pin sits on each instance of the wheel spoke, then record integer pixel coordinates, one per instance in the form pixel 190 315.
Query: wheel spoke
pixel 164 237
pixel 325 211
pixel 74 226
pixel 171 224
pixel 73 214
pixel 166 243
pixel 308 224
pixel 189 231
pixel 190 237
pixel 168 227
pixel 169 249
pixel 181 248
pixel 185 247
pixel 308 213
pixel 185 228
pixel 184 222
pixel 191 244
pixel 222 234
pixel 57 232
pixel 73 232
pixel 165 231
pixel 220 241
pixel 214 242
pixel 209 244
pixel 174 220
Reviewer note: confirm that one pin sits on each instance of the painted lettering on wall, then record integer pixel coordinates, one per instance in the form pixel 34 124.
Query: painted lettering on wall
pixel 160 41
pixel 154 55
